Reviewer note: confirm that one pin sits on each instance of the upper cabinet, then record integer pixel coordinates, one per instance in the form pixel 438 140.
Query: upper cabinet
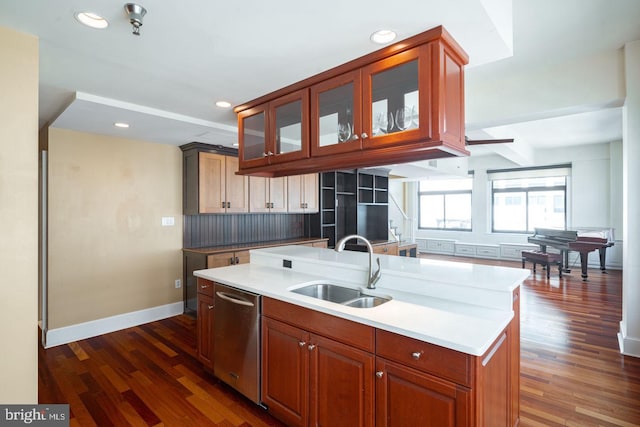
pixel 210 183
pixel 399 104
pixel 275 132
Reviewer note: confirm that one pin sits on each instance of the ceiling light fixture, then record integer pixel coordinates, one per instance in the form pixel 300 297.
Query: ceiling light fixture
pixel 383 36
pixel 92 20
pixel 223 104
pixel 135 13
pixel 121 125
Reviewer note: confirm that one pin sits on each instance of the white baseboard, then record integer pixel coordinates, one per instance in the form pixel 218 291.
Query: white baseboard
pixel 118 322
pixel 628 346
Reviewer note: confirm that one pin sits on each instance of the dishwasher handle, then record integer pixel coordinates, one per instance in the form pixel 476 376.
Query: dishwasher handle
pixel 234 299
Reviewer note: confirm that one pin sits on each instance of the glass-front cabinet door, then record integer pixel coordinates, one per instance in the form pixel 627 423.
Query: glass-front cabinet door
pixel 252 136
pixel 289 127
pixel 336 115
pixel 395 98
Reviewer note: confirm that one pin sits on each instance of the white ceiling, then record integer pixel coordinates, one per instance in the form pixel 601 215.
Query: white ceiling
pixel 191 54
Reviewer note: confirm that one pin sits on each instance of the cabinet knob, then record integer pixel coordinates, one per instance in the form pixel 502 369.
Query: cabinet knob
pixel 379 374
pixel 204 286
pixel 311 347
pixel 355 137
pixel 210 307
pixel 264 154
pixel 301 343
pixel 269 153
pixel 364 135
pixel 416 355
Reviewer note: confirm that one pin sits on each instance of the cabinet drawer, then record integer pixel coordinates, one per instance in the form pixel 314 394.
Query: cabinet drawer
pixel 346 331
pixel 465 250
pixel 386 249
pixel 487 252
pixel 444 247
pixel 205 287
pixel 449 364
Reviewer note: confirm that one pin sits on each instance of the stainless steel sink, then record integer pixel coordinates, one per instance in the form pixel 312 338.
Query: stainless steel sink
pixel 329 292
pixel 340 295
pixel 366 301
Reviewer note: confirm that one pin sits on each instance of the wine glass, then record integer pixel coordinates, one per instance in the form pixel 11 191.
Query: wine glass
pixel 344 132
pixel 404 118
pixel 383 123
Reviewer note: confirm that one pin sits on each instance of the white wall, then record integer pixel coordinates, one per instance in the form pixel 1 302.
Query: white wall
pixel 591 195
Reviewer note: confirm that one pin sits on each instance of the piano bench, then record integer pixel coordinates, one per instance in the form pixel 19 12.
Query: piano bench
pixel 543 258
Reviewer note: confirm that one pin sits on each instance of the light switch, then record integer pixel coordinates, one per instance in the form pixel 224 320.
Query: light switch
pixel 168 221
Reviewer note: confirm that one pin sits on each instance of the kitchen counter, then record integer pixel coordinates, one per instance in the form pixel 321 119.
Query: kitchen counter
pixel 459 306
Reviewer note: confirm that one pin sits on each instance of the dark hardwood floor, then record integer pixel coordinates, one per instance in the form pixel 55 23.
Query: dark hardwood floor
pixel 572 373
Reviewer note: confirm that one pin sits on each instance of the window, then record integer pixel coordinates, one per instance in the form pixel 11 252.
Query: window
pixel 445 204
pixel 521 204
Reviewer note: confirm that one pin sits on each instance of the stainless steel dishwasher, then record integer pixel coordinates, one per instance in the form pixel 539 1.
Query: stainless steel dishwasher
pixel 236 348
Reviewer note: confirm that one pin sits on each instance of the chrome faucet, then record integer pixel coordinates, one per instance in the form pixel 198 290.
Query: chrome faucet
pixel 372 279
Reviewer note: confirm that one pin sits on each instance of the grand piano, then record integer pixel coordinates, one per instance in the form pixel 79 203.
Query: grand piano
pixel 582 241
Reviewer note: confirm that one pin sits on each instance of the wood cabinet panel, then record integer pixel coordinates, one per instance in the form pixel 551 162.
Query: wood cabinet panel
pixel 267 195
pixel 341 387
pixel 407 397
pixel 236 187
pixel 351 333
pixel 205 322
pixel 212 173
pixel 445 363
pixel 302 193
pixel 285 371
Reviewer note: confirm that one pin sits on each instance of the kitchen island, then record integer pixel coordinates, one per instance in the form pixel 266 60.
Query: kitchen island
pixel 443 351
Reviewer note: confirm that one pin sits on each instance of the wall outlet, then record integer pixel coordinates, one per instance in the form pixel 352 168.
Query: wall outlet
pixel 168 221
pixel 178 283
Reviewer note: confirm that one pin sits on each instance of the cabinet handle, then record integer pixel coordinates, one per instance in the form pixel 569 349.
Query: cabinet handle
pixel 210 307
pixel 379 374
pixel 204 286
pixel 237 260
pixel 301 343
pixel 271 205
pixel 416 355
pixel 364 135
pixel 228 204
pixel 224 205
pixel 264 154
pixel 385 250
pixel 311 347
pixel 232 261
pixel 269 153
pixel 355 137
pixel 266 205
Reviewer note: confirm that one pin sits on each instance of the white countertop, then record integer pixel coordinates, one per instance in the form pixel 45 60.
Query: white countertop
pixel 459 306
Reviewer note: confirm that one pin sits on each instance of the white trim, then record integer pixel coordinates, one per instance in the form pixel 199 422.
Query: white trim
pixel 628 346
pixel 106 325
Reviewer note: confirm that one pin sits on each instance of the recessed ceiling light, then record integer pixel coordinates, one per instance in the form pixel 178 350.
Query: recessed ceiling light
pixel 92 20
pixel 383 36
pixel 121 125
pixel 223 104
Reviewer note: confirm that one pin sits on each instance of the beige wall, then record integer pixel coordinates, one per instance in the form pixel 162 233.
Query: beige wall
pixel 108 253
pixel 18 217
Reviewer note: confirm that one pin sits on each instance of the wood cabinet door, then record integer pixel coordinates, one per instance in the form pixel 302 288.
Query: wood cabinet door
pixel 278 194
pixel 236 188
pixel 448 99
pixel 220 260
pixel 407 397
pixel 289 127
pixel 341 384
pixel 258 194
pixel 310 190
pixel 242 257
pixel 211 183
pixel 336 115
pixel 252 137
pixel 396 98
pixel 285 372
pixel 204 324
pixel 295 194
